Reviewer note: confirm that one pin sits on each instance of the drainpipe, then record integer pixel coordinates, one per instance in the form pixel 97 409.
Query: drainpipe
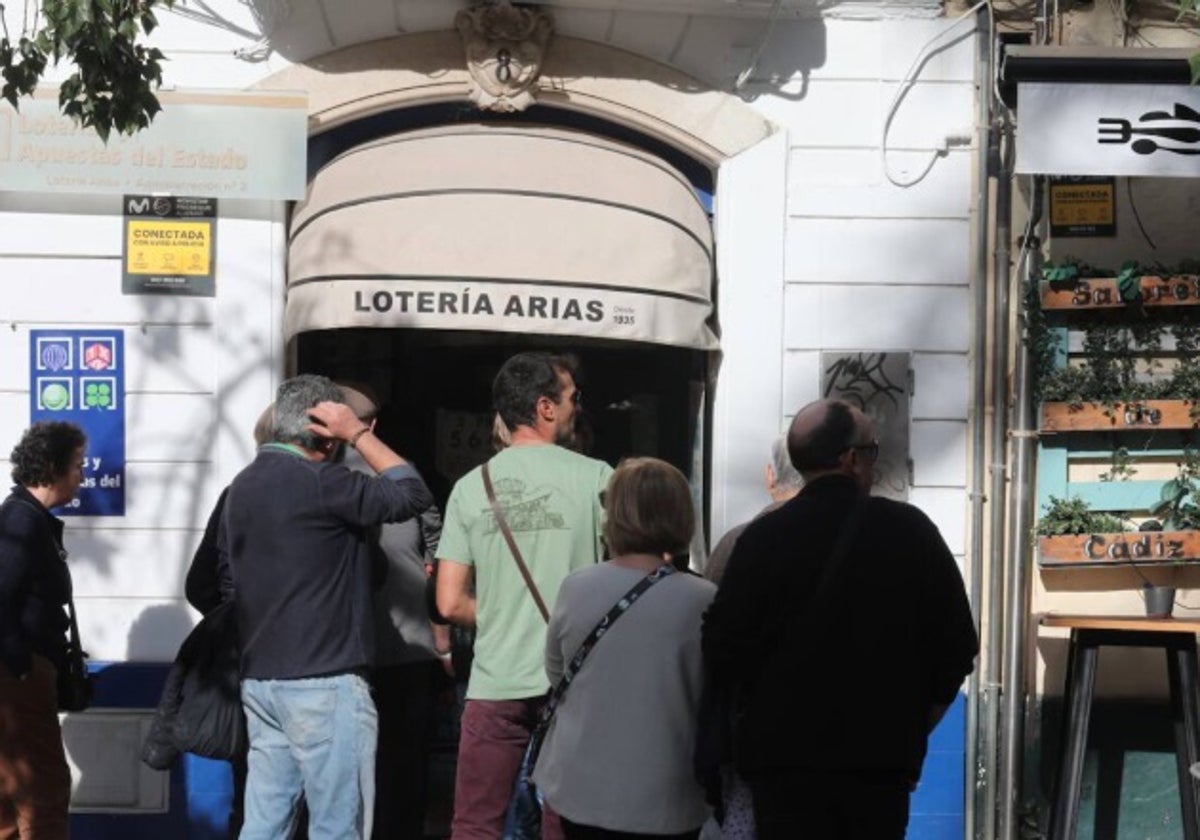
pixel 1021 550
pixel 994 645
pixel 979 293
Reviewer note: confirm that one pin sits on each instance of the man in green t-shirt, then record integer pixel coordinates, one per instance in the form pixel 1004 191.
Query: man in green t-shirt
pixel 550 497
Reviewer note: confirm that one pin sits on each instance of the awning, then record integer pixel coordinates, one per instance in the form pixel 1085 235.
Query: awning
pixel 500 228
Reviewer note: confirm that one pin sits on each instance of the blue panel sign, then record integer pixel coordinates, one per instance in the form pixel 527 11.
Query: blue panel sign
pixel 79 376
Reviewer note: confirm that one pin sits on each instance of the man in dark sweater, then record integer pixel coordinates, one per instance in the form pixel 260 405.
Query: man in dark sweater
pixel 844 667
pixel 296 534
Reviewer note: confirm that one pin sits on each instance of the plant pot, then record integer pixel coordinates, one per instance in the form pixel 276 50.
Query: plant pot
pixel 1160 600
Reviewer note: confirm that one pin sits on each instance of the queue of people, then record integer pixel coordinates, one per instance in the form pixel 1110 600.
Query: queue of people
pixel 633 695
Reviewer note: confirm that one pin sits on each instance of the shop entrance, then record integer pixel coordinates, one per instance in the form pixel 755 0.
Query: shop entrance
pixel 435 389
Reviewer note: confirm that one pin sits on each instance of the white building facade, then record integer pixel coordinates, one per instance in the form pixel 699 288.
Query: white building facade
pixel 774 193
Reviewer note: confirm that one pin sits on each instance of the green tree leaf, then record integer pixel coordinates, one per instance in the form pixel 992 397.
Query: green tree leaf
pixel 116 76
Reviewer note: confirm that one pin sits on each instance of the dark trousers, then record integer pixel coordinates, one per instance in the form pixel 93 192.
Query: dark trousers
pixel 35 782
pixel 404 696
pixel 574 831
pixel 494 735
pixel 829 807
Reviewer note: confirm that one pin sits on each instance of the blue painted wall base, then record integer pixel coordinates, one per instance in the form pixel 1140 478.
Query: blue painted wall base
pixel 937 806
pixel 201 790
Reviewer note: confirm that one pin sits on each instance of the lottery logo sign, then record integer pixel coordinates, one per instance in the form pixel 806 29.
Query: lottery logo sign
pixel 78 376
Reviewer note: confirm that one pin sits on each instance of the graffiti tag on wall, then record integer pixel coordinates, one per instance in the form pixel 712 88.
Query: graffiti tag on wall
pixel 877 383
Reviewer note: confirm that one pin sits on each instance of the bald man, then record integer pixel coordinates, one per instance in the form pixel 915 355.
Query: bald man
pixel 843 625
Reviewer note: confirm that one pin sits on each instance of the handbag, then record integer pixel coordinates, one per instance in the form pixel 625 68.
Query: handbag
pixel 75 684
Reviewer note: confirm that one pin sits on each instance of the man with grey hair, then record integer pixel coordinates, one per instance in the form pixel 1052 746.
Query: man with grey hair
pixel 783 483
pixel 295 535
pixel 843 627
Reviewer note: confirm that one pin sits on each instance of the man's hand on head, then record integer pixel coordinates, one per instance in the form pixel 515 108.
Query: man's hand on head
pixel 334 420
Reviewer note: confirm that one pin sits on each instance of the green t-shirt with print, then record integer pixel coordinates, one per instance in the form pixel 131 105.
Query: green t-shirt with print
pixel 551 499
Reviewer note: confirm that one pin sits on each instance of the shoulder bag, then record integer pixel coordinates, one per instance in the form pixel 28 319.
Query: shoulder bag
pixel 75 684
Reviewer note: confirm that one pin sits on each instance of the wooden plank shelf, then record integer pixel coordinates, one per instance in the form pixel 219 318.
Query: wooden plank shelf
pixel 1146 415
pixel 1102 293
pixel 1137 548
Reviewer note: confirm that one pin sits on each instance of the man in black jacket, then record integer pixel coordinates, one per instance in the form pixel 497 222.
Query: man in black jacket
pixel 296 532
pixel 843 627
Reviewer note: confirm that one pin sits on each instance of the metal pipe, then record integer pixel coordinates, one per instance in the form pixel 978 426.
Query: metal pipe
pixel 997 498
pixel 1020 551
pixel 979 294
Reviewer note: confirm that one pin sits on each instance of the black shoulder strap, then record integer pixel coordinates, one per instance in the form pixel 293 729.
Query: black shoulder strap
pixel 841 548
pixel 569 673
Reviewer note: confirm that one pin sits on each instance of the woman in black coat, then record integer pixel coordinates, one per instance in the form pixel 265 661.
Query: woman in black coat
pixel 35 586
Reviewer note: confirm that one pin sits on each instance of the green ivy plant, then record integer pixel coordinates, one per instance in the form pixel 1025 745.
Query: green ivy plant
pixel 1122 466
pixel 1122 349
pixel 1072 516
pixel 1179 502
pixel 115 78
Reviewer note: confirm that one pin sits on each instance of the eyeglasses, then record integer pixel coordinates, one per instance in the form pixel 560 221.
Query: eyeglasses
pixel 870 451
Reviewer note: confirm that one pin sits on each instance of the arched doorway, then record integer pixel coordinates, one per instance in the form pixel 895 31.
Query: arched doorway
pixel 420 261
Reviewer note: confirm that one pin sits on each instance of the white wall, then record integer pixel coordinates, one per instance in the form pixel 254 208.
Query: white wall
pixel 199 372
pixel 869 265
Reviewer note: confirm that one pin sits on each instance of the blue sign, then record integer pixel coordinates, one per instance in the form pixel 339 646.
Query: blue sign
pixel 79 376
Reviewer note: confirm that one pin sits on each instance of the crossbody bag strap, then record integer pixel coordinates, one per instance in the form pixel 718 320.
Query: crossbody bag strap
pixel 603 626
pixel 841 548
pixel 502 523
pixel 76 645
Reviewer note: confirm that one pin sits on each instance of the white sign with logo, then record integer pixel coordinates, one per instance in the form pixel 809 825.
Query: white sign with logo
pixel 1104 129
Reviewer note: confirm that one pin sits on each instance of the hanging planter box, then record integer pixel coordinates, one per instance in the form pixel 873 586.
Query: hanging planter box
pixel 1102 292
pixel 1146 415
pixel 1119 549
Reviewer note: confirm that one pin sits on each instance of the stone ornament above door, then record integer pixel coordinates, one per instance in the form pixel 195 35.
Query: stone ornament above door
pixel 504 47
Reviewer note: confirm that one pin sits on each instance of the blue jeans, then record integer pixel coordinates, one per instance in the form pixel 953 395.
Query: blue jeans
pixel 314 737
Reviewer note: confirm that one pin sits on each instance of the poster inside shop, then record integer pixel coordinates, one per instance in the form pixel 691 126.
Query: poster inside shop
pixel 169 246
pixel 78 376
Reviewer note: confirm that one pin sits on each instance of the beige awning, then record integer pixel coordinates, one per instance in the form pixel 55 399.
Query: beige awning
pixel 500 228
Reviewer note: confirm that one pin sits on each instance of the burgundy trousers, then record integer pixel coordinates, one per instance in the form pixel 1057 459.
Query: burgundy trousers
pixel 35 782
pixel 492 742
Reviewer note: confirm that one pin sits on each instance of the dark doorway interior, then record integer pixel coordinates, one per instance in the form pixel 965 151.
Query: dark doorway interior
pixel 435 388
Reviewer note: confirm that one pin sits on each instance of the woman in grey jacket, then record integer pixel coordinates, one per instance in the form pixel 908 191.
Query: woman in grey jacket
pixel 617 760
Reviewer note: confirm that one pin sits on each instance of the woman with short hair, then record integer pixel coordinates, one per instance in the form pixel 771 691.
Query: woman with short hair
pixel 617 759
pixel 35 587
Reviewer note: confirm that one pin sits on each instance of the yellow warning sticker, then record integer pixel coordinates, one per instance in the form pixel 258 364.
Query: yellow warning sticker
pixel 1081 204
pixel 170 248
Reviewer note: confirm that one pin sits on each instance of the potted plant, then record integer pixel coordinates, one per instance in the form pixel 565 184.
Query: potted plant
pixel 1177 510
pixel 1070 533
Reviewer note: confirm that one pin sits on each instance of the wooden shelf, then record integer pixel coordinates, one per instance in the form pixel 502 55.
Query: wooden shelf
pixel 1146 415
pixel 1101 292
pixel 1126 548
